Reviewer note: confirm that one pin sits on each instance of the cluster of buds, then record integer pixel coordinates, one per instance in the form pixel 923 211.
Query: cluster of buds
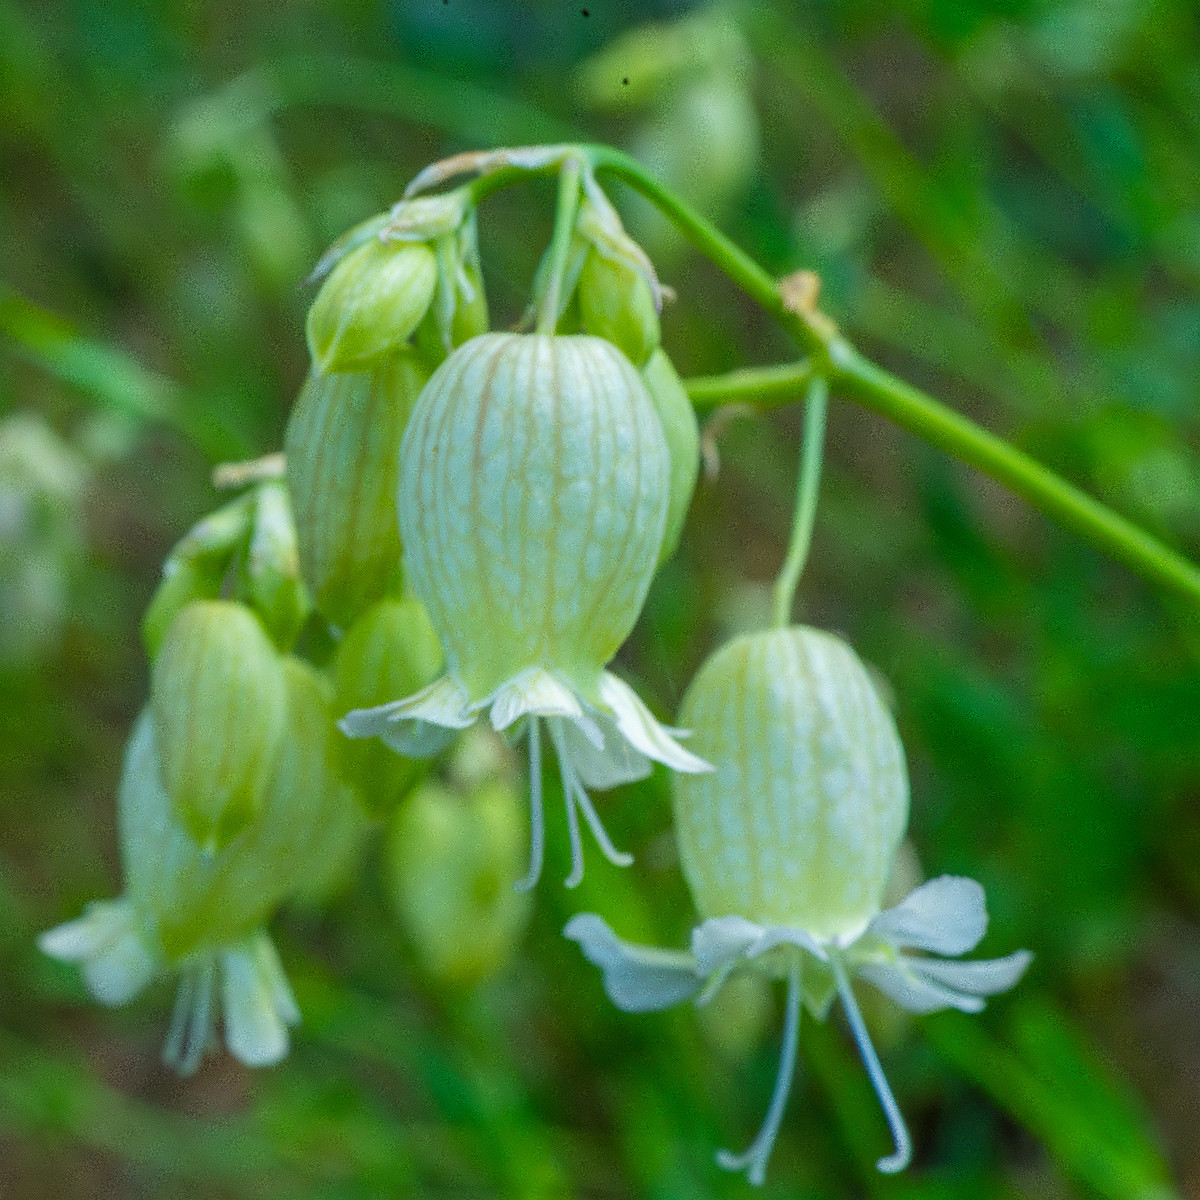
pixel 478 518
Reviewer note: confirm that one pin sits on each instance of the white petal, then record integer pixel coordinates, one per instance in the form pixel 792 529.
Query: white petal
pixel 258 1004
pixel 786 935
pixel 640 729
pixel 983 977
pixel 534 692
pixel 947 915
pixel 611 763
pixel 720 940
pixel 418 726
pixel 115 961
pixel 917 994
pixel 636 978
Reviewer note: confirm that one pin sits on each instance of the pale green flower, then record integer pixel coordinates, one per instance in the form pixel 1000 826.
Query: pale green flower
pixel 534 480
pixel 787 847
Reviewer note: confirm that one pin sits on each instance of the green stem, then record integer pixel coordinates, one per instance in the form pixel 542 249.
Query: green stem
pixel 874 388
pixel 806 501
pixel 910 408
pixel 560 245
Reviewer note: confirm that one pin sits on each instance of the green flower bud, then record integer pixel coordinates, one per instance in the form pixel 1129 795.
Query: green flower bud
pixel 616 303
pixel 532 496
pixel 272 566
pixel 219 703
pixel 682 431
pixel 371 302
pixel 390 651
pixel 800 821
pixel 196 567
pixel 452 861
pixel 342 469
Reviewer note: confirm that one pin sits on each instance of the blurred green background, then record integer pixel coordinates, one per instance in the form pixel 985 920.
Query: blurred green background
pixel 1003 200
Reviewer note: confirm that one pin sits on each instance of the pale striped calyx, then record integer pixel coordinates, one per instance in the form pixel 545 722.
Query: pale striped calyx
pixel 682 432
pixel 799 823
pixel 534 483
pixel 219 700
pixel 342 465
pixel 199 910
pixel 533 492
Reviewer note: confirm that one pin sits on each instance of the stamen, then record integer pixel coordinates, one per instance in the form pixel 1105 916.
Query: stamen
pixel 537 823
pixel 180 1014
pixel 191 1018
pixel 619 858
pixel 570 785
pixel 902 1156
pixel 754 1160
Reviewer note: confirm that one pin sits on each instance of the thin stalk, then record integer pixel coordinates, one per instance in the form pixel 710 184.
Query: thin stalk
pixel 560 245
pixel 806 501
pixel 861 380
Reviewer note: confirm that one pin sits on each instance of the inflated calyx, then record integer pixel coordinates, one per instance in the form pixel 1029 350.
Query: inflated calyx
pixel 533 494
pixel 787 847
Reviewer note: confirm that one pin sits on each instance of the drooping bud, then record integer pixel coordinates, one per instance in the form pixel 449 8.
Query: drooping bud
pixel 390 651
pixel 371 302
pixel 532 498
pixel 342 468
pixel 800 822
pixel 195 568
pixel 452 861
pixel 682 432
pixel 619 293
pixel 272 566
pixel 219 703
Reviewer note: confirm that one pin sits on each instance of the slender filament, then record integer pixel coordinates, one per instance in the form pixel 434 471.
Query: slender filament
pixel 537 822
pixel 191 1019
pixel 806 500
pixel 902 1155
pixel 754 1160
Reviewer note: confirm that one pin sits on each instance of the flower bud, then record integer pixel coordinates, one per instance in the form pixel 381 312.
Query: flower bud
pixel 219 703
pixel 682 432
pixel 391 650
pixel 196 567
pixel 800 822
pixel 371 302
pixel 452 861
pixel 532 497
pixel 272 566
pixel 342 468
pixel 616 303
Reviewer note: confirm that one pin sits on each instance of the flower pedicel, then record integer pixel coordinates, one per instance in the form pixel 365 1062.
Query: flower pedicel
pixel 787 847
pixel 534 485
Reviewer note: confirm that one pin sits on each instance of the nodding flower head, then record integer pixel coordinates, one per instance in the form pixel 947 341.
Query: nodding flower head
pixel 787 847
pixel 200 911
pixel 534 483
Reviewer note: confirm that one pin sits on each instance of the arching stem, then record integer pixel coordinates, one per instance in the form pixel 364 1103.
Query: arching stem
pixel 806 501
pixel 902 1155
pixel 537 820
pixel 754 1160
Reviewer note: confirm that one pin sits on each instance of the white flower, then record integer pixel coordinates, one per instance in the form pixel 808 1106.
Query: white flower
pixel 534 480
pixel 946 916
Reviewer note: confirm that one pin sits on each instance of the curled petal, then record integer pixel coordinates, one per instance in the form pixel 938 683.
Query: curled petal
pixel 718 942
pixel 534 692
pixel 947 915
pixel 115 962
pixel 915 992
pixel 642 731
pixel 258 1003
pixel 985 977
pixel 419 725
pixel 636 978
pixel 608 764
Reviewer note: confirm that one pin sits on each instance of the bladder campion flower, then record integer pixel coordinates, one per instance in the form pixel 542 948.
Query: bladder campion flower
pixel 787 848
pixel 199 911
pixel 534 481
